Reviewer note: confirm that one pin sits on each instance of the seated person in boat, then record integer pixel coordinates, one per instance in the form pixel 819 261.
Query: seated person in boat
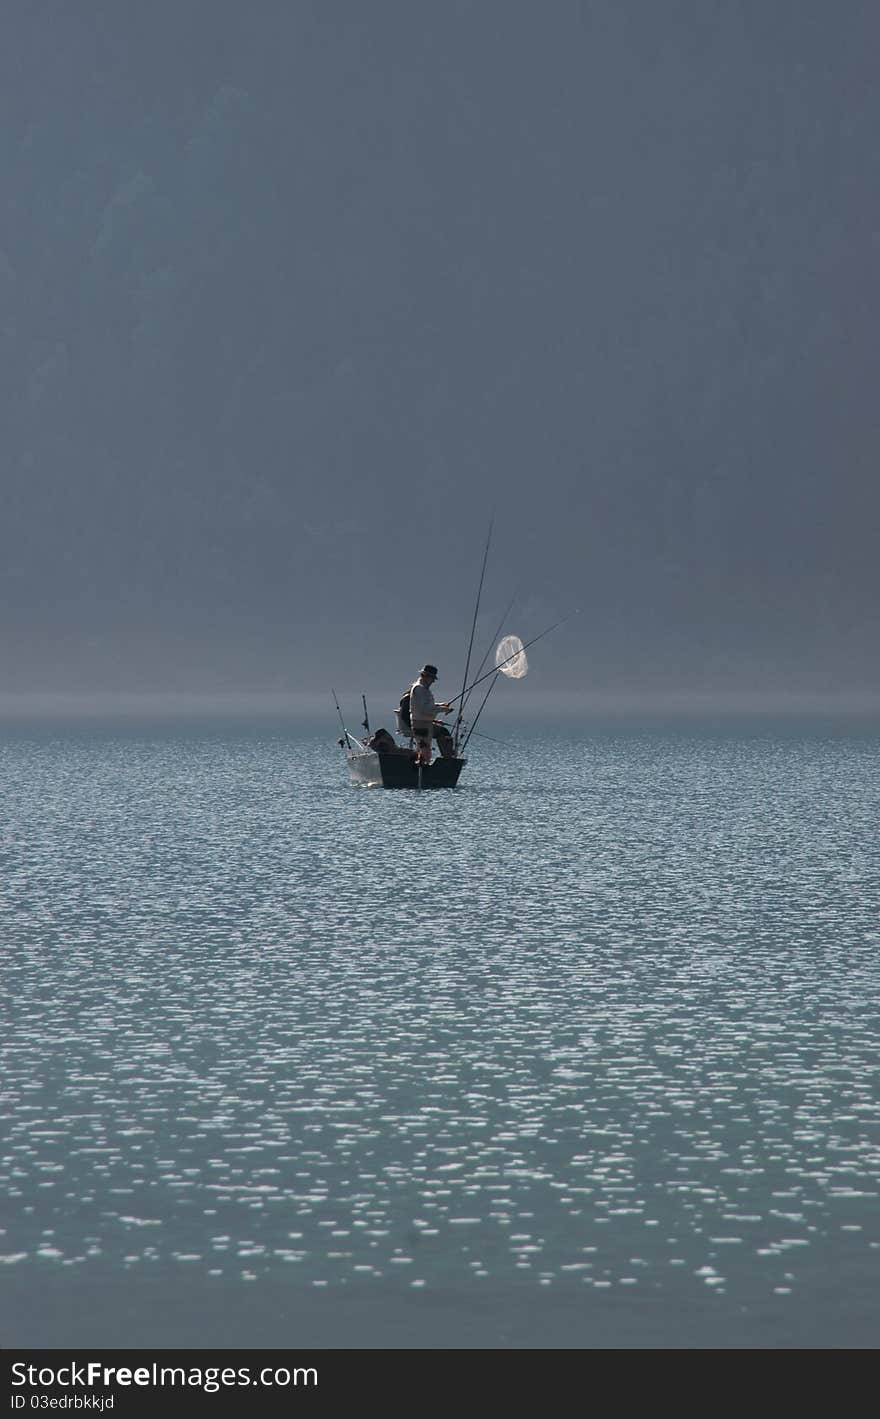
pixel 383 743
pixel 423 709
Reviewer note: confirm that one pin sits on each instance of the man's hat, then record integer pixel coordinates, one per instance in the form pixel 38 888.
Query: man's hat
pixel 429 670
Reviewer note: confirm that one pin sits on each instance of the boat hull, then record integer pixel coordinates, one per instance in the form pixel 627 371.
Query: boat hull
pixel 371 770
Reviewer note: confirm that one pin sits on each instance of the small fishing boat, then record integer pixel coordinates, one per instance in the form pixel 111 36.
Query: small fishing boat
pixel 378 761
pixel 370 769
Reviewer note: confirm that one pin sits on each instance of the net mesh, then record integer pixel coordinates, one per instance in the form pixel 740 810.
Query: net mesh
pixel 510 658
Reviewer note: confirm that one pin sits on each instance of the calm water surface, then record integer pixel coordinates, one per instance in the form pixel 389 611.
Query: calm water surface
pixel 582 1054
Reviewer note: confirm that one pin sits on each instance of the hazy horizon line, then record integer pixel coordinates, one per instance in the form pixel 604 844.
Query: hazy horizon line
pixel 20 709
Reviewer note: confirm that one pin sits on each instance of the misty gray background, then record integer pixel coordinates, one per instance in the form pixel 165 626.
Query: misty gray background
pixel 296 295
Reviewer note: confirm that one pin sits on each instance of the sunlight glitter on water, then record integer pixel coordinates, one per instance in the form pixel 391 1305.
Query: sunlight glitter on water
pixel 604 1017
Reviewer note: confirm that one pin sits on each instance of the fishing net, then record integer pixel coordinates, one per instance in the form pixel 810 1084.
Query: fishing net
pixel 510 658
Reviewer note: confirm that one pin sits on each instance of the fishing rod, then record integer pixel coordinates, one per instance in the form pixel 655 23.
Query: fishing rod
pixel 507 612
pixel 492 684
pixel 350 737
pixel 467 664
pixel 508 658
pixel 480 735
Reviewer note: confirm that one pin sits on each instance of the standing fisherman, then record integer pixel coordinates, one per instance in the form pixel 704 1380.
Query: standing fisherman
pixel 423 708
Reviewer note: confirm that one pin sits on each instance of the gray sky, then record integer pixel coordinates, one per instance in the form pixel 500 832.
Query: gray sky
pixel 295 296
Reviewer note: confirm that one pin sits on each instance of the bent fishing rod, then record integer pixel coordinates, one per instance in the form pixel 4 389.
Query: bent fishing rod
pixel 508 658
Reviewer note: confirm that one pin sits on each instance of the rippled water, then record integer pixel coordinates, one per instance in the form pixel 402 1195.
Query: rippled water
pixel 584 1053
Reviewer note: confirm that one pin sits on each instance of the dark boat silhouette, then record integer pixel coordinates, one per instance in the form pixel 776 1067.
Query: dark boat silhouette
pixel 370 769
